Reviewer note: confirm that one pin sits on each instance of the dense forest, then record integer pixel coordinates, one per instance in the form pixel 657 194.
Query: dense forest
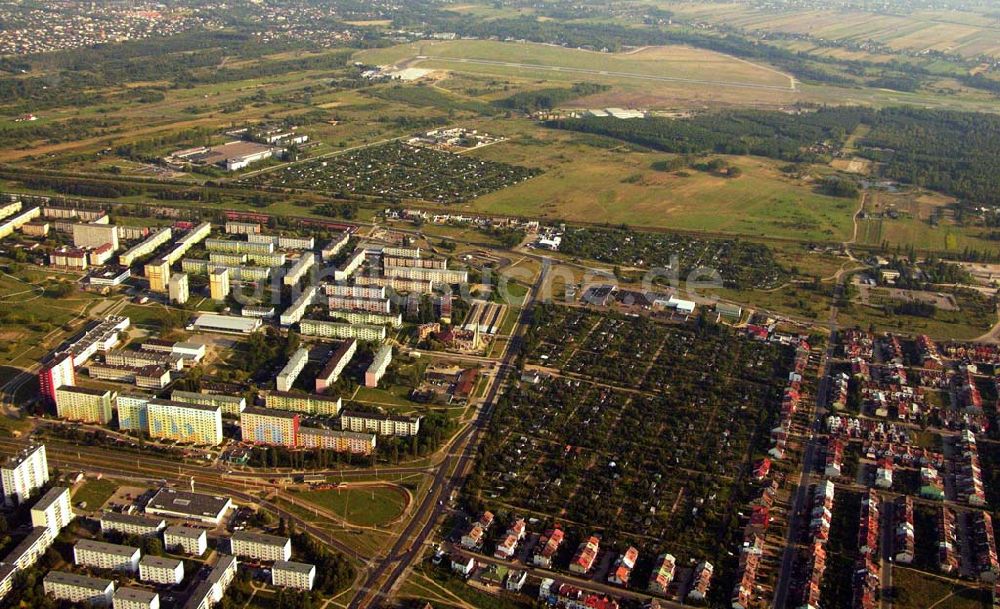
pixel 547 99
pixel 772 134
pixel 957 153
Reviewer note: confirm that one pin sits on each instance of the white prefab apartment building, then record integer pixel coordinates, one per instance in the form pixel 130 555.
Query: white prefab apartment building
pixel 189 540
pixel 231 405
pixel 79 588
pixel 135 598
pixel 131 524
pixel 24 473
pixel 381 424
pixel 286 378
pixel 53 510
pixel 259 546
pixel 287 574
pixel 161 570
pixel 101 555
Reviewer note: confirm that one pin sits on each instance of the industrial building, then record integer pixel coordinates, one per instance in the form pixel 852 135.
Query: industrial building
pixel 226 324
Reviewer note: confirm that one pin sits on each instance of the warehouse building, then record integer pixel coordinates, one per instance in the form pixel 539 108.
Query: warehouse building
pixel 225 324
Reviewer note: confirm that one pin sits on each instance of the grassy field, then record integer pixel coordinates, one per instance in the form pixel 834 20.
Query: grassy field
pixel 94 493
pixel 616 185
pixel 372 506
pixel 918 590
pixel 638 78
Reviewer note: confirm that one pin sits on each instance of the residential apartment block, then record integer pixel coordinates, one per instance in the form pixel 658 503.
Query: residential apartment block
pixel 293 575
pixel 131 524
pixel 161 570
pixel 270 427
pixel 188 540
pixel 381 424
pixel 231 405
pixel 110 556
pixel 24 473
pixel 74 588
pixel 182 422
pixel 53 510
pixel 135 598
pixel 378 366
pixel 304 403
pixel 337 440
pixel 336 329
pixel 85 405
pixel 259 546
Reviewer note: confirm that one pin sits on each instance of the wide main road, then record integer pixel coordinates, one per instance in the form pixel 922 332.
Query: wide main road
pixel 383 578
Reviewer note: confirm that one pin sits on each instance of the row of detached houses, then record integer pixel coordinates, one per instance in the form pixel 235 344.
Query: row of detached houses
pixel 581 564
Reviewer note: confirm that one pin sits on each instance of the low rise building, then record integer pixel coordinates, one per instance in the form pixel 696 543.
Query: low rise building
pixel 131 524
pixel 184 539
pixel 135 598
pixel 260 546
pixel 110 556
pixel 161 570
pixel 381 424
pixel 173 503
pixel 296 575
pixel 74 588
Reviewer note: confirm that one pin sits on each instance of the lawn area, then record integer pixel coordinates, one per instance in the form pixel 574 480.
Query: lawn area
pixel 365 506
pixel 917 590
pixel 590 179
pixel 94 493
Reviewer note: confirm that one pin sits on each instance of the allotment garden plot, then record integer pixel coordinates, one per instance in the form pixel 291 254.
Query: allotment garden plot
pixel 649 429
pixel 399 171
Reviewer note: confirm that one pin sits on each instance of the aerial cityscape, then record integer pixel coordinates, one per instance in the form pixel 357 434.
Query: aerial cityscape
pixel 507 304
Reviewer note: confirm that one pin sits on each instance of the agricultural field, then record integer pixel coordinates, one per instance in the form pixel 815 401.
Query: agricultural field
pixel 969 33
pixel 400 171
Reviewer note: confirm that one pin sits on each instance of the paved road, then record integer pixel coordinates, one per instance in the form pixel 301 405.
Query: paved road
pixel 381 580
pixel 633 75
